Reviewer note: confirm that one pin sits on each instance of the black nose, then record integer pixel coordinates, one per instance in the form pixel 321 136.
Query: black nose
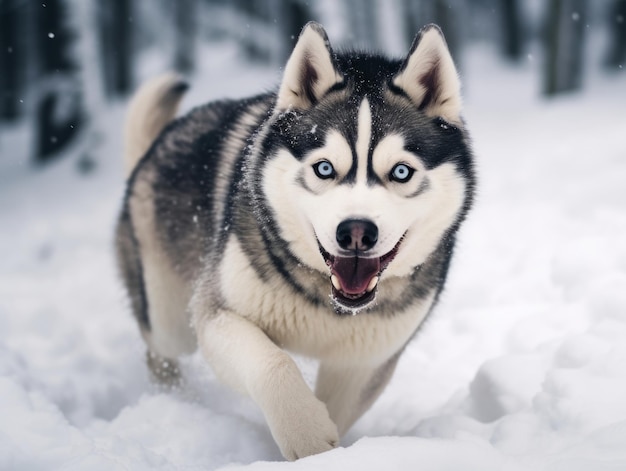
pixel 357 234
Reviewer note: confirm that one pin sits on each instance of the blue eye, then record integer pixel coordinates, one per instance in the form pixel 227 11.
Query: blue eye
pixel 401 173
pixel 324 169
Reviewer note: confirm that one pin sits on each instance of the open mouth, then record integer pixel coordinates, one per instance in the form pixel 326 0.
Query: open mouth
pixel 354 279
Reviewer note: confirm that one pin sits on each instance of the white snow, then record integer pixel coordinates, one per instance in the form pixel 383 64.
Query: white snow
pixel 522 367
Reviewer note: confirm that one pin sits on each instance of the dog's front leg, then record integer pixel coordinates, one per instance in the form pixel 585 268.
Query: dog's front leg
pixel 349 390
pixel 244 358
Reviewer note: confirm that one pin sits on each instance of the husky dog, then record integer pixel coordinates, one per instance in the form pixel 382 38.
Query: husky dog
pixel 318 219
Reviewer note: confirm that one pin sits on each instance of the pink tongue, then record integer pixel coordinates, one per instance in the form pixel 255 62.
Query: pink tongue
pixel 355 273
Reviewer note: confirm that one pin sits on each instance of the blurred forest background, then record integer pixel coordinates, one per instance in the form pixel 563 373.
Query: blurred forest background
pixel 62 60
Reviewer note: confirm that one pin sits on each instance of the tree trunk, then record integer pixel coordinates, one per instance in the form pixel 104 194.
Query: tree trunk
pixel 116 22
pixel 444 13
pixel 564 46
pixel 59 112
pixel 296 15
pixel 617 48
pixel 85 21
pixel 186 30
pixel 413 19
pixel 363 23
pixel 512 34
pixel 255 15
pixel 447 14
pixel 122 14
pixel 12 59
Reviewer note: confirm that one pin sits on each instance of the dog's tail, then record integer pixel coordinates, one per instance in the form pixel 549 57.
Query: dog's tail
pixel 152 107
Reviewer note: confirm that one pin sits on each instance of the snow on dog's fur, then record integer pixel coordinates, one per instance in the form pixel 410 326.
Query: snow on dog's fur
pixel 319 219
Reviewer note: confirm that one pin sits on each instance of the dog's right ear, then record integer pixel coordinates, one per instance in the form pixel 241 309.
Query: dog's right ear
pixel 429 78
pixel 310 71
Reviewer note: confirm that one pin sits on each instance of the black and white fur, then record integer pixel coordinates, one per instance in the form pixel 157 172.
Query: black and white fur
pixel 319 219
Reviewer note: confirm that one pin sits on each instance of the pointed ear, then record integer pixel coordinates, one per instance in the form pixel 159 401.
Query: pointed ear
pixel 429 78
pixel 310 71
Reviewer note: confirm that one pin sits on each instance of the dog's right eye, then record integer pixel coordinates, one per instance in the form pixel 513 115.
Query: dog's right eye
pixel 324 169
pixel 401 173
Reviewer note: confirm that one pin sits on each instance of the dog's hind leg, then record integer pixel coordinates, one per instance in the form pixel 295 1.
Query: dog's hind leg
pixel 348 391
pixel 161 361
pixel 170 334
pixel 163 371
pixel 163 292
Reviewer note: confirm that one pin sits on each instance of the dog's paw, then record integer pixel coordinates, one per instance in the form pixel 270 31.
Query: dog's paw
pixel 303 429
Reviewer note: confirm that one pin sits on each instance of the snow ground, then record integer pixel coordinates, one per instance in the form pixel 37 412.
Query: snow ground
pixel 522 367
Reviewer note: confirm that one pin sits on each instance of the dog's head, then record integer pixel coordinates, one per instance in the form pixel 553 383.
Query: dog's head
pixel 367 166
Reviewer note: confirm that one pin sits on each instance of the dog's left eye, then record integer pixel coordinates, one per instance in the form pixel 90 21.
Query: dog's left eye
pixel 401 173
pixel 324 169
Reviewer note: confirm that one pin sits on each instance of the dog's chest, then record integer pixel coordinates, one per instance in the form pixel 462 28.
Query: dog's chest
pixel 316 331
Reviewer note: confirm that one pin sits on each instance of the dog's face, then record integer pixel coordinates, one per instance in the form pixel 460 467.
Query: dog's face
pixel 363 181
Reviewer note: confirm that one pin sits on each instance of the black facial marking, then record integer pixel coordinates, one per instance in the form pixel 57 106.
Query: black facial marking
pixel 397 90
pixel 351 175
pixel 424 186
pixel 372 177
pixel 302 182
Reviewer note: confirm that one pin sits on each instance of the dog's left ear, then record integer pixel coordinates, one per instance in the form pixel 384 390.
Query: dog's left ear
pixel 429 78
pixel 310 71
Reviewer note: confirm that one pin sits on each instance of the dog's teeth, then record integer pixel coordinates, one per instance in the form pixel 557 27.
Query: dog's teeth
pixel 335 281
pixel 373 283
